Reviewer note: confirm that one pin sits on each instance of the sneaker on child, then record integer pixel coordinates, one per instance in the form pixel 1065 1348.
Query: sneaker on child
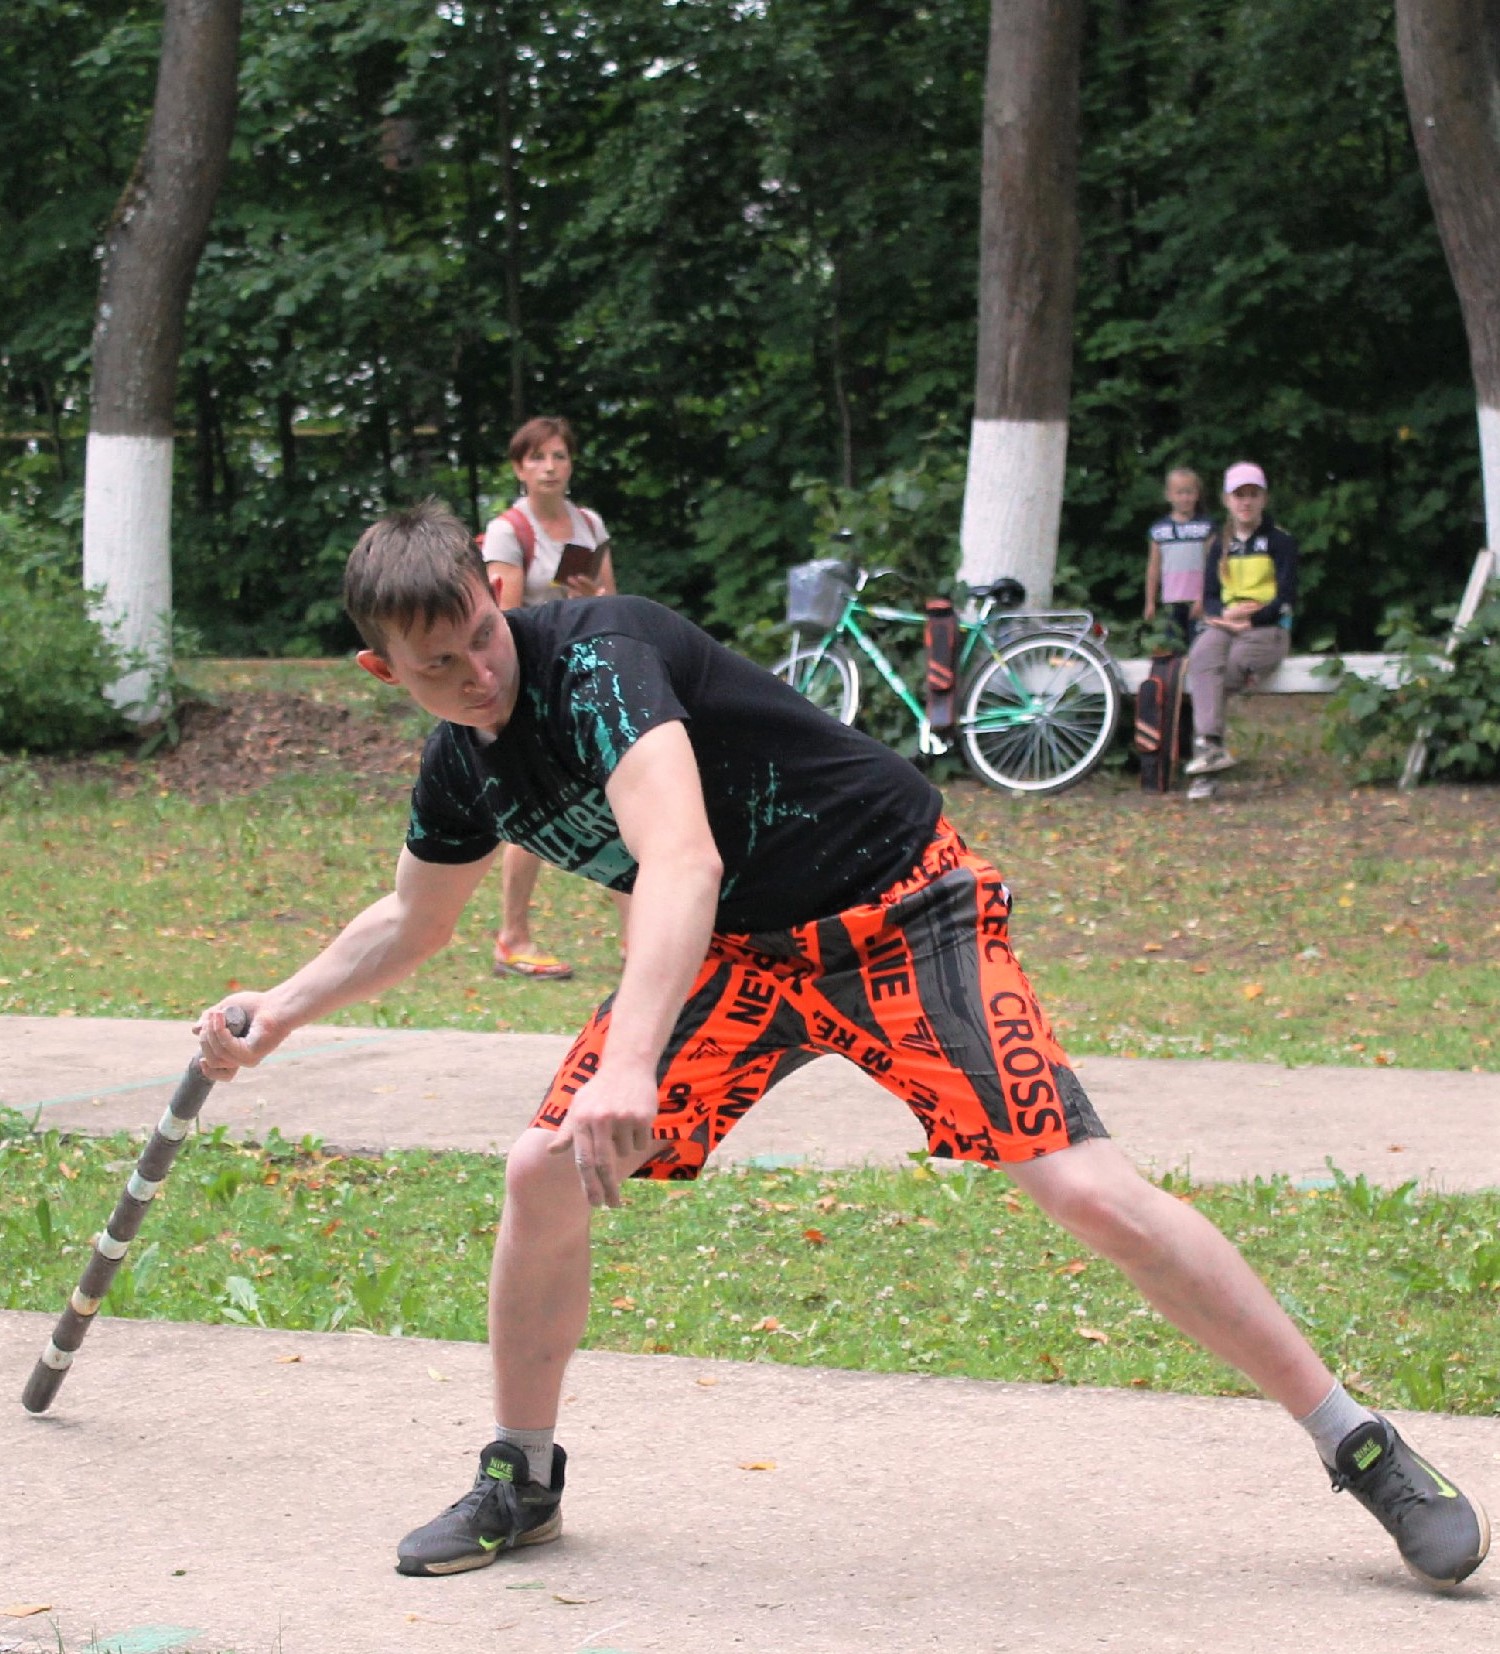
pixel 1208 756
pixel 505 1508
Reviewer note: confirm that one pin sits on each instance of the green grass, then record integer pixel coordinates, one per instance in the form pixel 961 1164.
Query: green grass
pixel 1291 920
pixel 886 1271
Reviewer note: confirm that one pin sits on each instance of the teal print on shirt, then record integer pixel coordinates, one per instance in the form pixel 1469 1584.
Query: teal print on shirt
pixel 604 727
pixel 577 833
pixel 764 808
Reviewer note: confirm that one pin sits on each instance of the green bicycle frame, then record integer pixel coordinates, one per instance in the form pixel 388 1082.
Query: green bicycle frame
pixel 973 634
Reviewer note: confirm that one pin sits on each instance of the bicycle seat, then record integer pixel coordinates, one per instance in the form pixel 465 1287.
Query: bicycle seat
pixel 1007 592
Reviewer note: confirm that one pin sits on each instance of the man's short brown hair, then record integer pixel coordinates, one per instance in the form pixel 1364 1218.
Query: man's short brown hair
pixel 416 564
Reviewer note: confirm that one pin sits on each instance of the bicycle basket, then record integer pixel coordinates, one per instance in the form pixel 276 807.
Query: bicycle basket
pixel 816 593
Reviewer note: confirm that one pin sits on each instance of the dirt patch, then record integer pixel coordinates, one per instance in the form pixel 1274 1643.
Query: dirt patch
pixel 242 740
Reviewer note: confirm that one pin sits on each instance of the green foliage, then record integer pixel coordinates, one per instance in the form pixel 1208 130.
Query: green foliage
pixel 1452 700
pixel 1261 278
pixel 905 519
pixel 736 244
pixel 54 660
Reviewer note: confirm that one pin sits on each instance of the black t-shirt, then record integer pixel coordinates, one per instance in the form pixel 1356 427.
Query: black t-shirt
pixel 809 817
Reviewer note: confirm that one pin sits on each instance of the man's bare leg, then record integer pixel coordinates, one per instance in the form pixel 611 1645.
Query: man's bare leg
pixel 1195 1277
pixel 539 1300
pixel 539 1281
pixel 1183 1266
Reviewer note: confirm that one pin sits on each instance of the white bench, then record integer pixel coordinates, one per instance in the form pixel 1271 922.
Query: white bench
pixel 1293 677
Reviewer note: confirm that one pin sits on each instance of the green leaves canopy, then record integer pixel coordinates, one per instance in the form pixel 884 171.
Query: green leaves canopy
pixel 734 241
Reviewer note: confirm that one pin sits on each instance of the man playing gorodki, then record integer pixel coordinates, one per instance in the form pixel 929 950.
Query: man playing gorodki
pixel 796 890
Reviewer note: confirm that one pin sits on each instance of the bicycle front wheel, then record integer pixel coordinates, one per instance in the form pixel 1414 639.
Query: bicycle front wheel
pixel 1039 715
pixel 826 676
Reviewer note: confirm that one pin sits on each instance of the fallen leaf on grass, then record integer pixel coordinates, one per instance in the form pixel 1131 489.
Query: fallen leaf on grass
pixel 767 1323
pixel 814 1237
pixel 1093 1335
pixel 1151 947
pixel 1252 990
pixel 1075 1267
pixel 622 1303
pixel 758 1464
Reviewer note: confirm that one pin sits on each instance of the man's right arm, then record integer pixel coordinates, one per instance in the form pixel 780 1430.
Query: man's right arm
pixel 380 948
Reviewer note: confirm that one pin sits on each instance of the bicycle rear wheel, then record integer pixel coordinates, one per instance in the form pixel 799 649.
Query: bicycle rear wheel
pixel 1039 715
pixel 826 676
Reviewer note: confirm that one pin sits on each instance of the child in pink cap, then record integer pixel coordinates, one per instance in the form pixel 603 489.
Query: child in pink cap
pixel 1249 593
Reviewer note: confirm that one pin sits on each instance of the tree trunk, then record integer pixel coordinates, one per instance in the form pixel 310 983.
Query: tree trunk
pixel 151 251
pixel 504 69
pixel 1028 256
pixel 1450 64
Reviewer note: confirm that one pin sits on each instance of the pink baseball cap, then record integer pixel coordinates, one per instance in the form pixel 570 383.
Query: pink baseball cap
pixel 1243 475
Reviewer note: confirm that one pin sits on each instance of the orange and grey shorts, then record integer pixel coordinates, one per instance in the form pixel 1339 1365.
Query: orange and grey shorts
pixel 920 989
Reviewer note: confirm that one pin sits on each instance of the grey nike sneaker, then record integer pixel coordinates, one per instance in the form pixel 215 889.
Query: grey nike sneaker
pixel 1442 1535
pixel 505 1508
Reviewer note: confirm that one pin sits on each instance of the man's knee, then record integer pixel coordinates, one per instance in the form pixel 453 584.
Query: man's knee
pixel 535 1169
pixel 1097 1195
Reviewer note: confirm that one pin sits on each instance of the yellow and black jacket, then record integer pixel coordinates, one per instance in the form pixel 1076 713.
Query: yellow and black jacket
pixel 1261 569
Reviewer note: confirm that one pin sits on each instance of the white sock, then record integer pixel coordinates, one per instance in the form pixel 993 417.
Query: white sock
pixel 536 1445
pixel 1332 1419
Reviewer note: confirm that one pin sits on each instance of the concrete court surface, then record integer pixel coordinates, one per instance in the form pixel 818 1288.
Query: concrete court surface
pixel 219 1488
pixel 223 1488
pixel 372 1087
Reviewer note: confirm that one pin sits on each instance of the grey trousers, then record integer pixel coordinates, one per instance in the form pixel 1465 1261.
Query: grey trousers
pixel 1220 661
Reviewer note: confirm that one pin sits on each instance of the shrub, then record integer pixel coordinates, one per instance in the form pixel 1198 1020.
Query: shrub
pixel 54 659
pixel 1452 700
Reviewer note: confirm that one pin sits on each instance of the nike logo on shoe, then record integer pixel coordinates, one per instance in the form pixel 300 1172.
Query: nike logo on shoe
pixel 1445 1489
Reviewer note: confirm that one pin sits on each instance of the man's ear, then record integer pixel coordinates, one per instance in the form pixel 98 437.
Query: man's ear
pixel 376 665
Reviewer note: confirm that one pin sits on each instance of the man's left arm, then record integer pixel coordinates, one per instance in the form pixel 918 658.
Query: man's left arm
pixel 656 795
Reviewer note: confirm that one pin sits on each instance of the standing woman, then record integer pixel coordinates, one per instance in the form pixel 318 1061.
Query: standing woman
pixel 1249 594
pixel 522 550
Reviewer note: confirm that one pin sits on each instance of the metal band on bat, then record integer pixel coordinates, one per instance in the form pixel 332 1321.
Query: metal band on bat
pixel 173 1127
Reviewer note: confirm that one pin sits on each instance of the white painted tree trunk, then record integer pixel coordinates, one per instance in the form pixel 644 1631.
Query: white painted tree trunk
pixel 127 526
pixel 1489 461
pixel 1028 255
pixel 1013 503
pixel 151 249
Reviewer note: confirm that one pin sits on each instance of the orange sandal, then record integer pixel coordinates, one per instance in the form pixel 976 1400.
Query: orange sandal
pixel 544 967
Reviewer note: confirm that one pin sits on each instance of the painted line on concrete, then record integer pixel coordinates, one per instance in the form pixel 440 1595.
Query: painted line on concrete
pixel 145 1639
pixel 173 1079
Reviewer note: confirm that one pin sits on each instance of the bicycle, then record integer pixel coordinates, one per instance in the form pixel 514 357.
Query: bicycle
pixel 1039 701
